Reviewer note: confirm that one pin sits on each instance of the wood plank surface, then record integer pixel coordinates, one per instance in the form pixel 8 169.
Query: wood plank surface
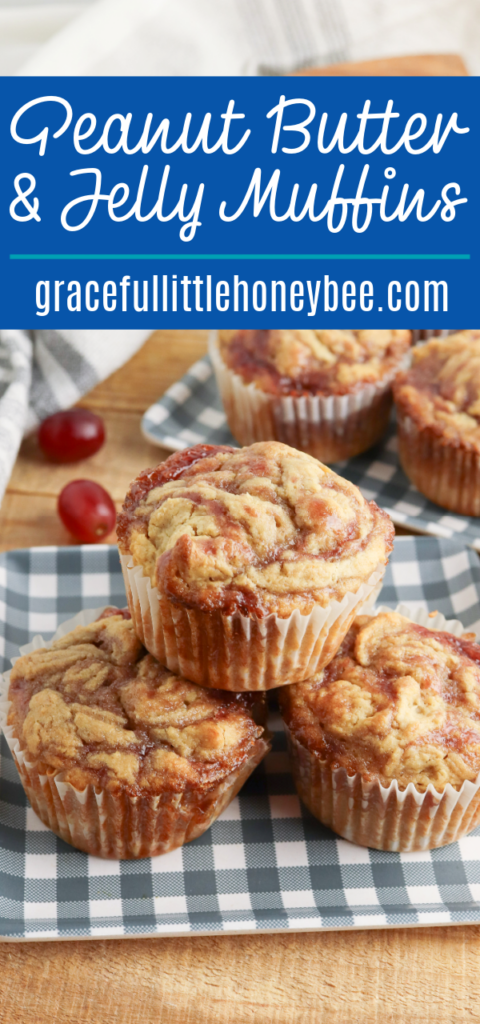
pixel 28 514
pixel 372 977
pixel 416 64
pixel 376 977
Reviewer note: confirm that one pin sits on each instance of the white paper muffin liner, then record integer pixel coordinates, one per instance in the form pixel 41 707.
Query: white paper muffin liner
pixel 329 427
pixel 239 652
pixel 116 825
pixel 386 817
pixel 446 473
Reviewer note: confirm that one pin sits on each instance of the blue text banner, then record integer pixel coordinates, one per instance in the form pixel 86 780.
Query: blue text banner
pixel 209 202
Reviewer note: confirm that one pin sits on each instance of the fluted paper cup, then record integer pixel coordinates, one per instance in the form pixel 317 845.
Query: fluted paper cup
pixel 111 824
pixel 329 427
pixel 239 652
pixel 446 473
pixel 386 817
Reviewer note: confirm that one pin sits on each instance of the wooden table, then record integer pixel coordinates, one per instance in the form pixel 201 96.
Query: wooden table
pixel 371 977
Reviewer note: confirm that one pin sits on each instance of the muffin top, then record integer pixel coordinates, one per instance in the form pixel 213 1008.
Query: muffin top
pixel 260 529
pixel 97 709
pixel 397 702
pixel 441 390
pixel 313 362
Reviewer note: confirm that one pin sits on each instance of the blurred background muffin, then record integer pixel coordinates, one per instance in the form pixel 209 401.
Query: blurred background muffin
pixel 326 392
pixel 438 413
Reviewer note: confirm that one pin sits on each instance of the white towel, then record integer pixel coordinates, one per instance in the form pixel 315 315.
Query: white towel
pixel 181 37
pixel 43 371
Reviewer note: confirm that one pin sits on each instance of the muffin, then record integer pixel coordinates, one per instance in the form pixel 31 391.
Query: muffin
pixel 118 756
pixel 327 393
pixel 385 741
pixel 438 411
pixel 424 335
pixel 244 568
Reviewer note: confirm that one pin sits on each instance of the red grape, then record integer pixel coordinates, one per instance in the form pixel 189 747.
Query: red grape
pixel 71 435
pixel 87 510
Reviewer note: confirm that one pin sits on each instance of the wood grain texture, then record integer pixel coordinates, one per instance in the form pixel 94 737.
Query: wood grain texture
pixel 29 511
pixel 114 466
pixel 384 977
pixel 426 64
pixel 161 361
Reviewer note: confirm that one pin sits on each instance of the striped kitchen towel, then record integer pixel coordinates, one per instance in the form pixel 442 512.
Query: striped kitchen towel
pixel 43 371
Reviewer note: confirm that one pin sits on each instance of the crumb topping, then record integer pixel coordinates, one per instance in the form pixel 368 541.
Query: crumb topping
pixel 260 529
pixel 313 362
pixel 441 391
pixel 97 708
pixel 397 702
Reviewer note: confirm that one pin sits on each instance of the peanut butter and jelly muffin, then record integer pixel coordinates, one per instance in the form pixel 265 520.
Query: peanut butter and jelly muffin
pixel 385 741
pixel 244 568
pixel 425 334
pixel 438 411
pixel 328 393
pixel 118 756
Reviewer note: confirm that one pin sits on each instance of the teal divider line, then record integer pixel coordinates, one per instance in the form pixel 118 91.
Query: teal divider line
pixel 241 256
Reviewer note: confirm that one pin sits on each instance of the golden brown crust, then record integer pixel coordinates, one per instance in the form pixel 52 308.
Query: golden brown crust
pixel 448 474
pixel 397 702
pixel 261 529
pixel 97 709
pixel 314 362
pixel 441 391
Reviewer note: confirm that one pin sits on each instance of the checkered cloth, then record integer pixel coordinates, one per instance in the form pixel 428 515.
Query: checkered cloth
pixel 266 863
pixel 191 412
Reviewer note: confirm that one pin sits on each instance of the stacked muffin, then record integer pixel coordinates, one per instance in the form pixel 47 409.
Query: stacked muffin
pixel 244 570
pixel 385 742
pixel 119 756
pixel 255 569
pixel 250 569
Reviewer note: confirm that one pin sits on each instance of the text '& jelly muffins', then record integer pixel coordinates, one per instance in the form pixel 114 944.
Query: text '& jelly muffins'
pixel 328 393
pixel 244 568
pixel 385 741
pixel 118 756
